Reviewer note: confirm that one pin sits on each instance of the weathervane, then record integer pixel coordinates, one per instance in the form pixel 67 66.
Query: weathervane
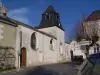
pixel 0 3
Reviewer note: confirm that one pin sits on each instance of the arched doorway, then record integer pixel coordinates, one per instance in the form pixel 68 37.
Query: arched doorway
pixel 71 52
pixel 23 57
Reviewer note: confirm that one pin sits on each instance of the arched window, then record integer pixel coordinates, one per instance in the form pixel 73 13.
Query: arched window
pixel 33 41
pixel 47 16
pixel 51 44
pixel 61 51
pixel 51 41
pixel 97 48
pixel 57 17
pixel 60 44
pixel 94 50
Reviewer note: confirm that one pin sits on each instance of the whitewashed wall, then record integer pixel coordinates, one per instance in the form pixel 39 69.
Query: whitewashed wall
pixel 1 31
pixel 61 39
pixel 91 51
pixel 32 55
pixel 50 30
pixel 59 34
pixel 50 56
pixel 90 26
pixel 43 55
pixel 17 61
pixel 68 55
pixel 75 47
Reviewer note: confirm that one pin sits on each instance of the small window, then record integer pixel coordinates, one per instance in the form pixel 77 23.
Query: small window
pixel 57 17
pixel 33 41
pixel 51 44
pixel 97 49
pixel 60 44
pixel 51 41
pixel 83 47
pixel 94 50
pixel 52 14
pixel 47 16
pixel 59 24
pixel 74 44
pixel 61 51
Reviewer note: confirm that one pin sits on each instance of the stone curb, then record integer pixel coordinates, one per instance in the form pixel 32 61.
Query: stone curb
pixel 16 70
pixel 11 71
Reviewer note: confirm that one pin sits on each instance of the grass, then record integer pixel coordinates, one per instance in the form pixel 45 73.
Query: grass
pixel 7 69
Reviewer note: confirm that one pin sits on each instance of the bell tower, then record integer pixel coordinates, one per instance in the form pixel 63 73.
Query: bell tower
pixel 3 9
pixel 50 18
pixel 51 25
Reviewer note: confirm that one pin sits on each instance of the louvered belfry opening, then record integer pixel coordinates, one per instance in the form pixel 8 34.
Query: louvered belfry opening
pixel 50 18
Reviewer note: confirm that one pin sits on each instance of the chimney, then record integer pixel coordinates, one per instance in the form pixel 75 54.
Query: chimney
pixel 3 10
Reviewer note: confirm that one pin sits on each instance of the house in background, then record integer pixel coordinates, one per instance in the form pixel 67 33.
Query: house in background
pixel 92 27
pixel 67 53
pixel 74 50
pixel 39 45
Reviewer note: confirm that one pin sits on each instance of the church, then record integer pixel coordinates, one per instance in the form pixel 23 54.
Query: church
pixel 25 45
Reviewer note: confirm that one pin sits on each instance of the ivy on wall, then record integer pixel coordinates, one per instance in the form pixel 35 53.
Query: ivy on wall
pixel 7 56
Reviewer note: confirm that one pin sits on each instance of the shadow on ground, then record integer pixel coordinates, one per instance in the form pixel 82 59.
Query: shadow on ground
pixel 54 69
pixel 41 71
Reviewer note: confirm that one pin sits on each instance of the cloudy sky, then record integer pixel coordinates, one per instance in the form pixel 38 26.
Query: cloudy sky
pixel 29 11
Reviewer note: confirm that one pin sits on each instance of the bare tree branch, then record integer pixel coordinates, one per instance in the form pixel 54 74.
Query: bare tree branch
pixel 88 30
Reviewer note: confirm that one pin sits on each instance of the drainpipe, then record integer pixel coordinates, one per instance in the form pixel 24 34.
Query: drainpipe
pixel 19 51
pixel 43 50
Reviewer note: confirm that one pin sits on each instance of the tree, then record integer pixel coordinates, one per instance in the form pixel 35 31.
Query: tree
pixel 79 31
pixel 91 33
pixel 88 30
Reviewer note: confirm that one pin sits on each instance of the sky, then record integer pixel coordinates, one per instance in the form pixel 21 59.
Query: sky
pixel 29 11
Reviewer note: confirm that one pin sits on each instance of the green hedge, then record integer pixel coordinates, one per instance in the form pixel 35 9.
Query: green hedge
pixel 7 69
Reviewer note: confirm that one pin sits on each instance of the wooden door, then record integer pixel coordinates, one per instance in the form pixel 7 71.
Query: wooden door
pixel 23 57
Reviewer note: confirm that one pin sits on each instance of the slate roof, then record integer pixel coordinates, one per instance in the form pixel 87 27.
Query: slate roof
pixel 95 15
pixel 52 21
pixel 6 20
pixel 50 9
pixel 16 23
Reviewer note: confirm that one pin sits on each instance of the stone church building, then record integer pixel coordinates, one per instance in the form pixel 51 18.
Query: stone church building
pixel 26 45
